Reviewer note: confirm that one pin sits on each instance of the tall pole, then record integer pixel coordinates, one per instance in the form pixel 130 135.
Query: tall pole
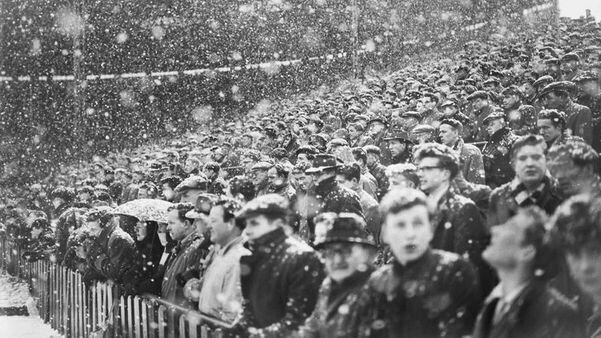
pixel 78 74
pixel 355 37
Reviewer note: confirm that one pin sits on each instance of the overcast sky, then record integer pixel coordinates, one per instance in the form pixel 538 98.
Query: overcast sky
pixel 577 8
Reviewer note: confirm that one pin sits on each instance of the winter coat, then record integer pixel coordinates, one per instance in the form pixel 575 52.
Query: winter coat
pixel 335 315
pixel 480 131
pixel 436 295
pixel 117 255
pixel 471 161
pixel 280 282
pixel 496 156
pixel 537 312
pixel 579 120
pixel 332 197
pixel 39 247
pixel 460 228
pixel 184 259
pixel 150 251
pixel 506 199
pixel 379 172
pixel 71 219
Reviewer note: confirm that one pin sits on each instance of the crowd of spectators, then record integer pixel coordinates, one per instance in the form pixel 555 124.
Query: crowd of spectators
pixel 452 197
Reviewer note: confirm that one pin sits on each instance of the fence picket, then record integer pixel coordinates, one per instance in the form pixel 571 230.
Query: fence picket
pixel 162 320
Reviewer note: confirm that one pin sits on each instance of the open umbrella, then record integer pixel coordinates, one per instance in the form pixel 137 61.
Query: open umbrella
pixel 145 209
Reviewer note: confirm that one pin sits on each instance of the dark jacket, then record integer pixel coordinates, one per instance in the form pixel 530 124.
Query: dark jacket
pixel 117 254
pixel 39 247
pixel 538 312
pixel 496 155
pixel 460 228
pixel 506 199
pixel 335 314
pixel 436 295
pixel 579 120
pixel 150 251
pixel 280 282
pixel 184 259
pixel 334 198
pixel 379 172
pixel 70 220
pixel 472 165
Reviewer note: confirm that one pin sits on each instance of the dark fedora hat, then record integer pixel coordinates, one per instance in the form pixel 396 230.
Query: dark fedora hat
pixel 323 162
pixel 347 228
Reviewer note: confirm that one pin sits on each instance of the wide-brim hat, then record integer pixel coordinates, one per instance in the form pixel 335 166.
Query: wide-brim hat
pixel 322 162
pixel 347 228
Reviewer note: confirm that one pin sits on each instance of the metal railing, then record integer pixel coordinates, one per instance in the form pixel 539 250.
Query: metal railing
pixel 74 310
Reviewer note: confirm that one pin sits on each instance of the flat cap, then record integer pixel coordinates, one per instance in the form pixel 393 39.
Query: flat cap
pixel 196 182
pixel 543 81
pixel 494 116
pixel 559 86
pixel 262 166
pixel 479 94
pixel 271 204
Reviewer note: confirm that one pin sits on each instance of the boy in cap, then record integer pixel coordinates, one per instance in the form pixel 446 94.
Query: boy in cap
pixel 348 253
pixel 281 277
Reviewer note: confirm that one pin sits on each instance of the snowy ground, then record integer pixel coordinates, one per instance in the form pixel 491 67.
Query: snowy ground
pixel 14 294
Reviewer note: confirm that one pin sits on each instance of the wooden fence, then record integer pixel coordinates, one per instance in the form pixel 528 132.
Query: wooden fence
pixel 75 310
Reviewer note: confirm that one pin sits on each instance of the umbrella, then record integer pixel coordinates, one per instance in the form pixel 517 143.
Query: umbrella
pixel 145 210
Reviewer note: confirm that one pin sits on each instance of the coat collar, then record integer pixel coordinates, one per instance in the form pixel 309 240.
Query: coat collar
pixel 269 239
pixel 325 186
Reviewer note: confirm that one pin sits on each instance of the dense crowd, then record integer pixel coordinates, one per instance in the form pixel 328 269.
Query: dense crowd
pixel 453 197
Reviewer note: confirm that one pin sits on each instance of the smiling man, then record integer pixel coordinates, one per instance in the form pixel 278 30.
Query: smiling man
pixel 531 185
pixel 423 292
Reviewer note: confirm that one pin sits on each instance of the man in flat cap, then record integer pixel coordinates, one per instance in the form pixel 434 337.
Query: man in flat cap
pixel 400 146
pixel 348 252
pixel 191 188
pixel 481 105
pixel 260 178
pixel 496 152
pixel 280 279
pixel 470 157
pixel 556 95
pixel 569 66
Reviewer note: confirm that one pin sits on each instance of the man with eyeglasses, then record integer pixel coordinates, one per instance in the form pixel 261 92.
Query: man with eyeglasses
pixel 348 253
pixel 458 224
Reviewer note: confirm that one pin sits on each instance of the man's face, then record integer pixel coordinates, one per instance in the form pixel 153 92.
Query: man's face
pixel 372 159
pixel 190 195
pixel 585 267
pixel 84 197
pixel 210 173
pixel 274 179
pixel 220 230
pixel 528 89
pixel 408 233
pixel 143 193
pixel 449 111
pixel 493 126
pixel 259 225
pixel 506 242
pixel 94 227
pixel 530 164
pixel 302 157
pixel 448 135
pixel 510 101
pixel 552 101
pixel 376 127
pixel 190 165
pixel 547 130
pixel 57 202
pixel 431 175
pixel 246 141
pixel 353 132
pixel 303 181
pixel 572 179
pixel 259 177
pixel 344 182
pixel 479 103
pixel 141 231
pixel 400 181
pixel 342 260
pixel 176 227
pixel 168 192
pixel 397 147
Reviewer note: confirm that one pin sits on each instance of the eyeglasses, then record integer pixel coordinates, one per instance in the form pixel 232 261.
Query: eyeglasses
pixel 343 251
pixel 427 168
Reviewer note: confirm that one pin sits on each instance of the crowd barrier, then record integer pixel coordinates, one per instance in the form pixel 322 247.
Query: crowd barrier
pixel 74 310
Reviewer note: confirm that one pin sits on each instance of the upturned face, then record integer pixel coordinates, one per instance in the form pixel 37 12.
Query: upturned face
pixel 408 233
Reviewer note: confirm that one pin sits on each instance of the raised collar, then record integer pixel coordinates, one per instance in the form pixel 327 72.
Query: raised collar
pixel 271 238
pixel 325 186
pixel 510 296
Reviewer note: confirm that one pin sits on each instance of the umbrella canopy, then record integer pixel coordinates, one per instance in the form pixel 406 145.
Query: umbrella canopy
pixel 145 210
